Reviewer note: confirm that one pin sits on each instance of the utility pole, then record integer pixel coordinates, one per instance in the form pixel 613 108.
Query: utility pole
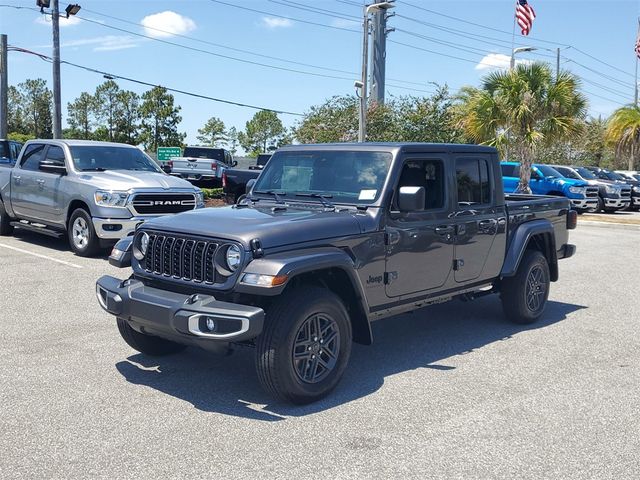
pixel 379 54
pixel 4 87
pixel 57 102
pixel 635 101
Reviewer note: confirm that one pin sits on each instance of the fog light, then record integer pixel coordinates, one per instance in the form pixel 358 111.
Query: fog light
pixel 210 323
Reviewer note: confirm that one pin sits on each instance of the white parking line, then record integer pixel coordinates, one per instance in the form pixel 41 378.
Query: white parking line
pixel 69 264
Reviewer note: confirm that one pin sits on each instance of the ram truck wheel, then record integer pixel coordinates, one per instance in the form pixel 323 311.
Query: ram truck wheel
pixel 305 345
pixel 5 228
pixel 524 296
pixel 147 344
pixel 82 236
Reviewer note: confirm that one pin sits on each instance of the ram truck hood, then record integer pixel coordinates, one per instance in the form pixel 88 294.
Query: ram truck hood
pixel 273 228
pixel 126 180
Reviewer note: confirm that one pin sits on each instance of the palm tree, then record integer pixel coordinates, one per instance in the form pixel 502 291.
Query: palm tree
pixel 623 131
pixel 521 109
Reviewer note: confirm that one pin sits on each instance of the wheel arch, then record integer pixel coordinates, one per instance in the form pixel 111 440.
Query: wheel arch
pixel 73 206
pixel 535 235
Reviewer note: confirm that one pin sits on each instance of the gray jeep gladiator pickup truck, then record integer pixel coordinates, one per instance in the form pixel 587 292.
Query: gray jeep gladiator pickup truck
pixel 94 192
pixel 330 238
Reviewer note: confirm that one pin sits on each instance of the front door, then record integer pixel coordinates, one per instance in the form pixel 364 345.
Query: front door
pixel 477 218
pixel 420 244
pixel 25 190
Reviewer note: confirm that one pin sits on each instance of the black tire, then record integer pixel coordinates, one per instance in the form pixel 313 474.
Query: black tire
pixel 285 366
pixel 5 228
pixel 600 206
pixel 147 344
pixel 524 296
pixel 90 245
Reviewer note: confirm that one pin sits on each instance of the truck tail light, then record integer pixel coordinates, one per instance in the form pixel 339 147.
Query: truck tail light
pixel 224 179
pixel 170 164
pixel 214 167
pixel 572 220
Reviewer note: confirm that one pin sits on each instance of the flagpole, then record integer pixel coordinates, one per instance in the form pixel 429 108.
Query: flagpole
pixel 513 43
pixel 636 82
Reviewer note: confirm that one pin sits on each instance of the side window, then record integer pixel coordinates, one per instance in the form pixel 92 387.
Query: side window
pixel 510 170
pixel 32 156
pixel 15 150
pixel 472 176
pixel 428 174
pixel 55 155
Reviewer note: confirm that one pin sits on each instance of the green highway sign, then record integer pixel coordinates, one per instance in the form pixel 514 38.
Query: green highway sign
pixel 167 153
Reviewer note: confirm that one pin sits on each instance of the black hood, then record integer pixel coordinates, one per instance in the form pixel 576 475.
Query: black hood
pixel 273 228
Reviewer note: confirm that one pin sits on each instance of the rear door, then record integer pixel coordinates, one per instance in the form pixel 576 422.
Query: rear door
pixel 24 187
pixel 478 220
pixel 420 244
pixel 49 196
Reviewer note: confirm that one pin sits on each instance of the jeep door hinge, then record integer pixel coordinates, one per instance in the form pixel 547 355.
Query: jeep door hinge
pixel 458 264
pixel 390 277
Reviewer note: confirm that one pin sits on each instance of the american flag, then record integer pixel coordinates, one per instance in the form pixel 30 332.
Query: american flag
pixel 525 15
pixel 637 49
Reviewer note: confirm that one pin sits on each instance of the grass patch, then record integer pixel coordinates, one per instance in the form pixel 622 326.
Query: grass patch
pixel 212 193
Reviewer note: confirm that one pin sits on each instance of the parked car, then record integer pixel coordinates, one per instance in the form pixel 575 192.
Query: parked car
pixel 235 180
pixel 629 174
pixel 331 238
pixel 612 196
pixel 93 192
pixel 605 174
pixel 9 152
pixel 205 164
pixel 545 180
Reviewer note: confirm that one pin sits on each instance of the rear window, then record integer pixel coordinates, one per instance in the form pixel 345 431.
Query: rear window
pixel 201 152
pixel 4 150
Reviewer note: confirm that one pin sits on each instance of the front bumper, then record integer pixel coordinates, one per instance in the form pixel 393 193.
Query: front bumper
pixel 616 202
pixel 584 203
pixel 636 200
pixel 117 228
pixel 185 319
pixel 193 175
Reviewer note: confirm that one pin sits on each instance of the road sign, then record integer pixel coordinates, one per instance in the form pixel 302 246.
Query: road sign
pixel 167 153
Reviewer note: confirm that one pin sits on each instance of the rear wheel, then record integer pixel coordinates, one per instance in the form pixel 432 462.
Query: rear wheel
pixel 524 296
pixel 147 344
pixel 600 206
pixel 305 345
pixel 82 236
pixel 5 220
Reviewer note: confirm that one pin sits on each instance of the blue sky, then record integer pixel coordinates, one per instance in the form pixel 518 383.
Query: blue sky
pixel 604 29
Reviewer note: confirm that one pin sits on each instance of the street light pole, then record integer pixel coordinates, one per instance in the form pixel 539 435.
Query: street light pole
pixel 4 86
pixel 57 101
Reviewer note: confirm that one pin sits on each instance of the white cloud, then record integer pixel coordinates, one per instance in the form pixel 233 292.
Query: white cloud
pixel 344 23
pixel 275 22
pixel 167 24
pixel 500 61
pixel 64 21
pixel 100 44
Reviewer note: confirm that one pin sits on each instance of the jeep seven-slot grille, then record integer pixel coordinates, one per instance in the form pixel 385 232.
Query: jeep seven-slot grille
pixel 163 203
pixel 591 192
pixel 190 260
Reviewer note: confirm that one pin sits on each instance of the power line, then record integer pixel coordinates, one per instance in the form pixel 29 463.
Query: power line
pixel 149 84
pixel 319 11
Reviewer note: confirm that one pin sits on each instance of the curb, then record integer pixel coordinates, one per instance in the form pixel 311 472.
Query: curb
pixel 624 226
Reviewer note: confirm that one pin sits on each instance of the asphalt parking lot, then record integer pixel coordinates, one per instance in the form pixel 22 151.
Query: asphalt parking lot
pixel 452 391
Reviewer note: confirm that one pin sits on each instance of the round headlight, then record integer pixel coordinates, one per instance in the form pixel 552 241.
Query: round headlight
pixel 233 257
pixel 140 246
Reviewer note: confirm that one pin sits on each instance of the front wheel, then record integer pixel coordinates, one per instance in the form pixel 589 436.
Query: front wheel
pixel 305 345
pixel 524 296
pixel 147 344
pixel 5 220
pixel 82 236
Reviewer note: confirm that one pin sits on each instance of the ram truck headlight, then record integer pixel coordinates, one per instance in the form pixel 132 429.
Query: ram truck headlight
pixel 199 199
pixel 636 189
pixel 577 190
pixel 611 189
pixel 233 257
pixel 106 198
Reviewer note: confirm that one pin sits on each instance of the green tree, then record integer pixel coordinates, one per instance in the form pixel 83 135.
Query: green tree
pixel 16 112
pixel 128 117
pixel 232 140
pixel 336 120
pixel 521 110
pixel 37 104
pixel 160 119
pixel 80 116
pixel 262 133
pixel 107 107
pixel 623 131
pixel 213 133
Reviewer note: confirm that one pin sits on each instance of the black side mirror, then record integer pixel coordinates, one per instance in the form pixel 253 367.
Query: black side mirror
pixel 234 163
pixel 166 168
pixel 250 185
pixel 411 199
pixel 50 166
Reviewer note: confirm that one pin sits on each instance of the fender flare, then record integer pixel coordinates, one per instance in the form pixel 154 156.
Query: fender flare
pixel 520 239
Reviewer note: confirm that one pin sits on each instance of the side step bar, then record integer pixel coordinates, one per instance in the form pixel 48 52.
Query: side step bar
pixel 40 229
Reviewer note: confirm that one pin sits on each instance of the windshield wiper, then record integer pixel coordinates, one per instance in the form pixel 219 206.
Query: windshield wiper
pixel 275 194
pixel 95 169
pixel 323 198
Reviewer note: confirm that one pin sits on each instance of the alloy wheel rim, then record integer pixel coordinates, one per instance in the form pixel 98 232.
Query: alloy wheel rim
pixel 316 348
pixel 80 232
pixel 536 289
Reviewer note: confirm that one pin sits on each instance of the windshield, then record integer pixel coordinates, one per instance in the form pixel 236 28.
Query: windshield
pixel 100 158
pixel 344 177
pixel 614 176
pixel 586 173
pixel 201 152
pixel 568 173
pixel 547 171
pixel 636 176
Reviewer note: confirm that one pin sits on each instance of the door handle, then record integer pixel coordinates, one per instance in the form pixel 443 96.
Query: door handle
pixel 40 181
pixel 17 178
pixel 488 223
pixel 444 229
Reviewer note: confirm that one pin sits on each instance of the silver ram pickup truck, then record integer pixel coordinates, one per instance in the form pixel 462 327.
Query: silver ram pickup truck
pixel 203 164
pixel 93 192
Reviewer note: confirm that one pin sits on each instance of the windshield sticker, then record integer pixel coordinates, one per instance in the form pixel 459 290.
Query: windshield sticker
pixel 367 194
pixel 296 178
